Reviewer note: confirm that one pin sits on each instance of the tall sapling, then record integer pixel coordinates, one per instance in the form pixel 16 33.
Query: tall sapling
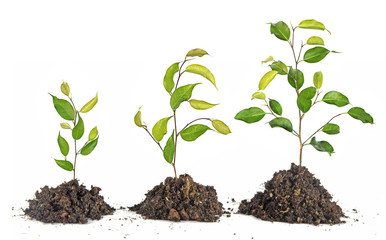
pixel 178 95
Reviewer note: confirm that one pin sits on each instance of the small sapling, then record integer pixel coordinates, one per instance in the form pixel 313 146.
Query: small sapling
pixel 307 97
pixel 178 95
pixel 68 111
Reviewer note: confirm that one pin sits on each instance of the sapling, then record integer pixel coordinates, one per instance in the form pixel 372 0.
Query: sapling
pixel 178 95
pixel 68 111
pixel 308 97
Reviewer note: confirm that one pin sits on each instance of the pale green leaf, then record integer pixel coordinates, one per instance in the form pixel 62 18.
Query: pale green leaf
pixel 266 79
pixel 160 128
pixel 200 105
pixel 201 70
pixel 181 94
pixel 90 105
pixel 221 127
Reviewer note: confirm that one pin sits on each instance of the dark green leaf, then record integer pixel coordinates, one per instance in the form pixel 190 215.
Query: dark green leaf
pixel 335 98
pixel 250 115
pixel 86 150
pixel 169 77
pixel 181 94
pixel 64 108
pixel 322 146
pixel 78 130
pixel 298 75
pixel 192 132
pixel 63 145
pixel 197 52
pixel 170 149
pixel 304 99
pixel 315 54
pixel 331 128
pixel 361 114
pixel 266 79
pixel 203 71
pixel 280 67
pixel 318 80
pixel 66 165
pixel 281 122
pixel 160 128
pixel 281 31
pixel 275 106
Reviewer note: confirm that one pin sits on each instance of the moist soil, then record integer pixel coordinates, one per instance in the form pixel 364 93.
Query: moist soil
pixel 180 199
pixel 68 203
pixel 293 196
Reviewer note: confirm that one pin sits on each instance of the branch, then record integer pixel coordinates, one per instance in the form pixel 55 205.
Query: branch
pixel 144 127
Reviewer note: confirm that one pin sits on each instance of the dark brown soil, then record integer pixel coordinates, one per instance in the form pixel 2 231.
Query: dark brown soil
pixel 181 199
pixel 68 203
pixel 294 197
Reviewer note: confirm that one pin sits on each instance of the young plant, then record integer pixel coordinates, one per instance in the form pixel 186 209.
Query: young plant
pixel 178 95
pixel 306 98
pixel 68 111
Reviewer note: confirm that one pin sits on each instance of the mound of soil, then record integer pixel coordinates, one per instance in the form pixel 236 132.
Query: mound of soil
pixel 181 199
pixel 294 197
pixel 68 203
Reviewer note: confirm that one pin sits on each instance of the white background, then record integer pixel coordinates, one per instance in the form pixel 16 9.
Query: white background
pixel 122 49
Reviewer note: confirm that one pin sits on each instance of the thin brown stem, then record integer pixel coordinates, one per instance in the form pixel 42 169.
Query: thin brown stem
pixel 76 151
pixel 159 145
pixel 175 143
pixel 180 73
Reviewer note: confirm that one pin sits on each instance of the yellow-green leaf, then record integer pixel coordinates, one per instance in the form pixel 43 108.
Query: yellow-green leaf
pixel 88 106
pixel 266 79
pixel 197 52
pixel 65 125
pixel 268 59
pixel 65 88
pixel 169 76
pixel 312 24
pixel 93 134
pixel 181 94
pixel 200 105
pixel 315 41
pixel 201 70
pixel 318 80
pixel 86 150
pixel 221 127
pixel 160 128
pixel 258 95
pixel 138 118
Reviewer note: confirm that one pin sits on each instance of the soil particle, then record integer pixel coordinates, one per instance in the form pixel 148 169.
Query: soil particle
pixel 294 197
pixel 68 203
pixel 180 199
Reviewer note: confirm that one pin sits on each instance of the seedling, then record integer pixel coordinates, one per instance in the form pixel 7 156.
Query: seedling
pixel 178 95
pixel 306 98
pixel 68 111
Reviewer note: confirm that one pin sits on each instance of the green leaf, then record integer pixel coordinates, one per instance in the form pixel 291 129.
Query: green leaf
pixel 281 122
pixel 200 105
pixel 275 106
pixel 181 94
pixel 63 145
pixel 201 70
pixel 331 128
pixel 65 88
pixel 170 149
pixel 90 105
pixel 315 54
pixel 322 146
pixel 281 31
pixel 138 118
pixel 315 41
pixel 86 150
pixel 197 52
pixel 192 132
pixel 268 59
pixel 298 75
pixel 250 115
pixel 64 108
pixel 266 79
pixel 258 95
pixel 66 165
pixel 78 130
pixel 318 80
pixel 280 67
pixel 160 128
pixel 360 114
pixel 335 98
pixel 221 127
pixel 312 24
pixel 169 77
pixel 93 134
pixel 304 99
pixel 65 125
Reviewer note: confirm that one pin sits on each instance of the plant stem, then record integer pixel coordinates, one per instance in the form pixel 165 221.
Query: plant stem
pixel 76 155
pixel 144 127
pixel 74 122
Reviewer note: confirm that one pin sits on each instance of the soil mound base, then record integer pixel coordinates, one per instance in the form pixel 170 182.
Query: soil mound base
pixel 68 203
pixel 181 199
pixel 294 197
